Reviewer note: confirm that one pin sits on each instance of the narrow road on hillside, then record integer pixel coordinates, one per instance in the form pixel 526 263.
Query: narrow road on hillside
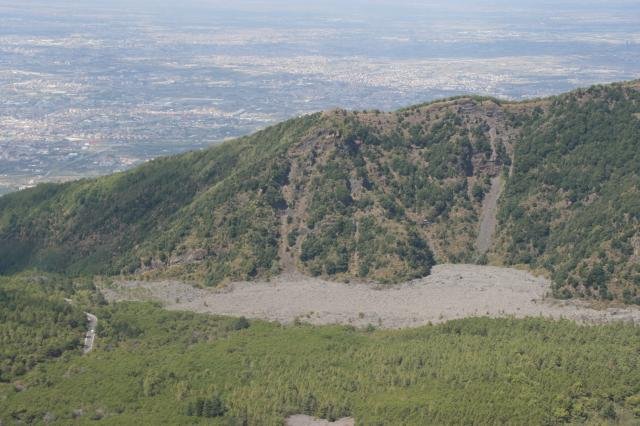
pixel 488 216
pixel 90 337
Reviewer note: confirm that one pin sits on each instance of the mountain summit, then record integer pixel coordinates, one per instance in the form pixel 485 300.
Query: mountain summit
pixel 553 184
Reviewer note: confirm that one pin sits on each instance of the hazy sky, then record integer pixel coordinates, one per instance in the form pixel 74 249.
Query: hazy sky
pixel 356 7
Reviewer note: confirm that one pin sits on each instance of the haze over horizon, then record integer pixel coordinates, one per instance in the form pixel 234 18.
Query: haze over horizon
pixel 96 87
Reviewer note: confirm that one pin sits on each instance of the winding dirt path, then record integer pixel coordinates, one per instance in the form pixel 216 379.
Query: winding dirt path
pixel 90 337
pixel 450 292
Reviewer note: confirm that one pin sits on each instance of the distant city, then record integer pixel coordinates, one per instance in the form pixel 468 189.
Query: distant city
pixel 86 92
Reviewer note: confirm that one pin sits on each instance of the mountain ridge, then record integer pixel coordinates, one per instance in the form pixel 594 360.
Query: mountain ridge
pixel 368 195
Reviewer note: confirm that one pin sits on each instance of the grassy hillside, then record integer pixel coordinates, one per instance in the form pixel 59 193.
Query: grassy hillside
pixel 151 366
pixel 365 195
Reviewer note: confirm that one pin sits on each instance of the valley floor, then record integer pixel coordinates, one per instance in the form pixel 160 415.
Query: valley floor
pixel 450 292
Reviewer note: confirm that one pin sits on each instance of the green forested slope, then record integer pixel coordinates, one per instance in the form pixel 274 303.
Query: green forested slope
pixel 119 223
pixel 338 194
pixel 572 205
pixel 369 195
pixel 36 324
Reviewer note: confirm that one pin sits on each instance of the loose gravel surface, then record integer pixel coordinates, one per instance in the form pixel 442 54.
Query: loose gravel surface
pixel 488 217
pixel 302 420
pixel 450 292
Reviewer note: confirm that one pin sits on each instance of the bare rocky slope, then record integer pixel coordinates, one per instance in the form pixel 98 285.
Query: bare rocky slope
pixel 370 196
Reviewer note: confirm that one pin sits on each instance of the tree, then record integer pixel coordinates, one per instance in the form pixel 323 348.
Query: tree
pixel 477 191
pixel 240 324
pixel 503 156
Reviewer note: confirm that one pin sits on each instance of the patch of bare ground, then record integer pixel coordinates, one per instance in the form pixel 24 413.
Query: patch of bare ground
pixel 303 420
pixel 450 292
